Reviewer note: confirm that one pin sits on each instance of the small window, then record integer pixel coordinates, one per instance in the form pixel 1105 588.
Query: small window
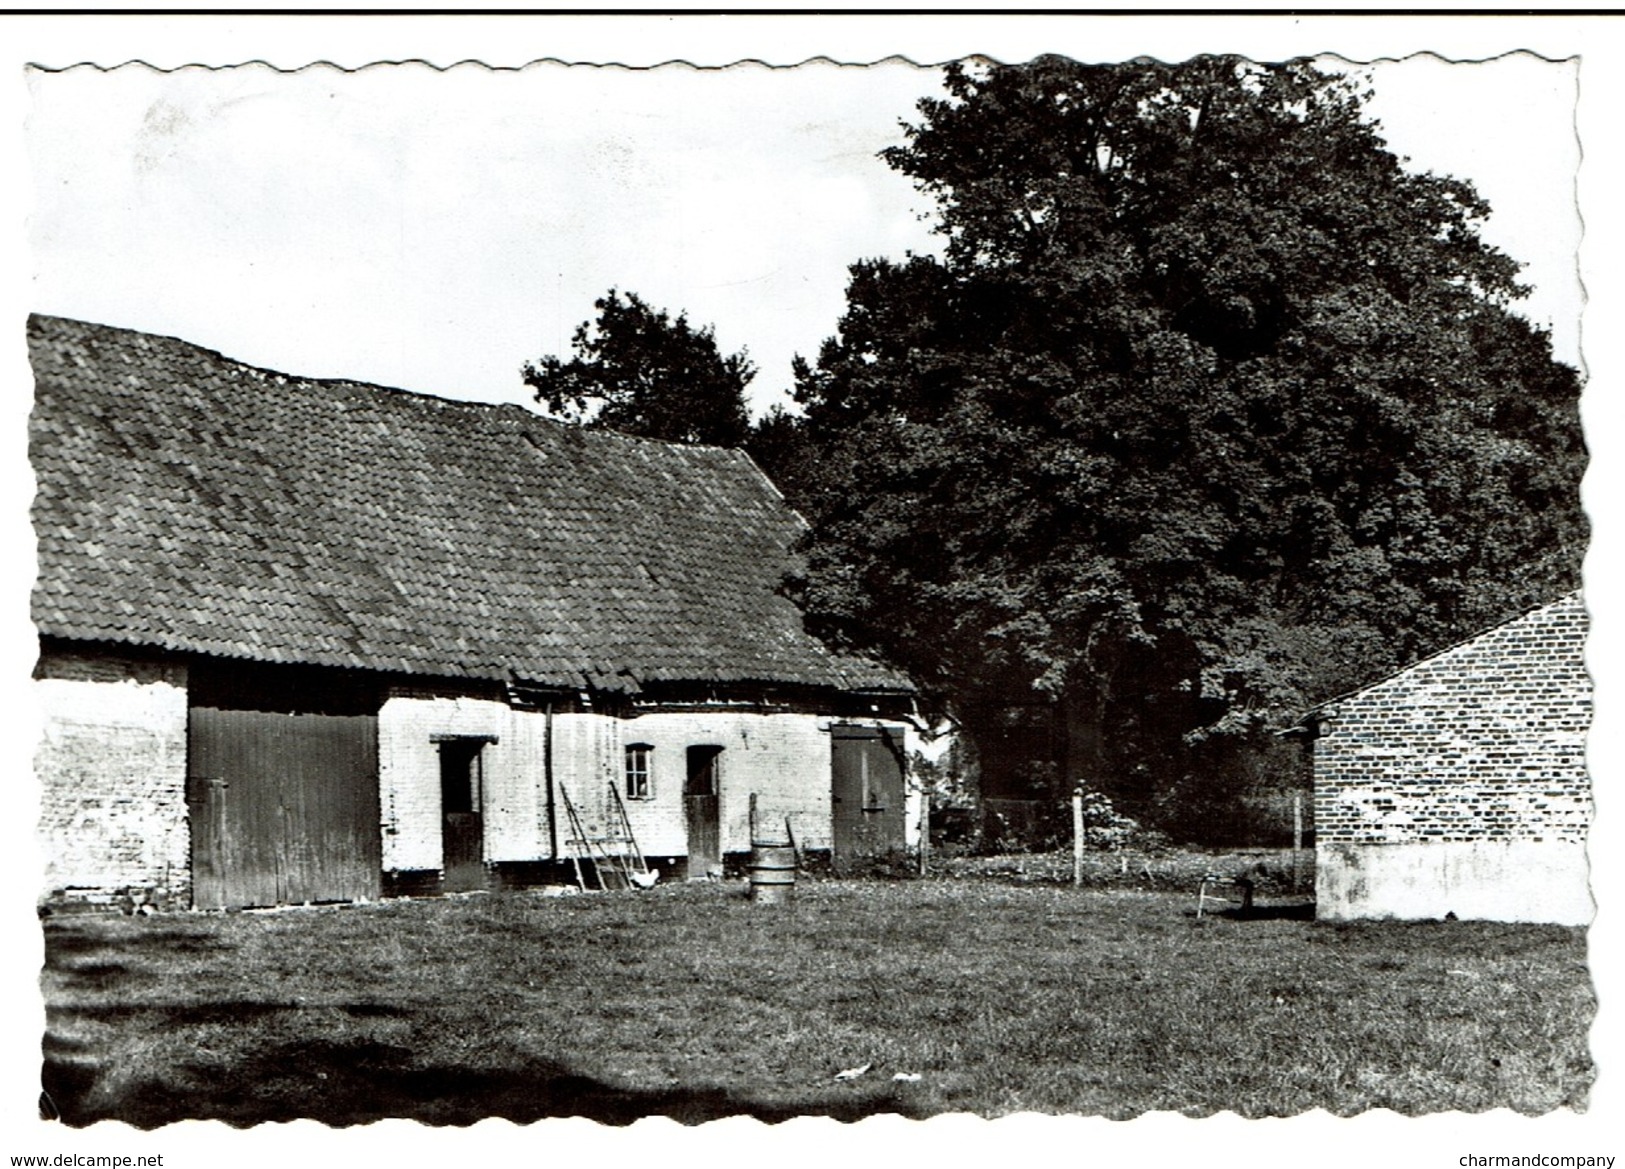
pixel 638 783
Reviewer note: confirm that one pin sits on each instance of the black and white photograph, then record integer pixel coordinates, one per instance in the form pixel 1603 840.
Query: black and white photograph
pixel 646 585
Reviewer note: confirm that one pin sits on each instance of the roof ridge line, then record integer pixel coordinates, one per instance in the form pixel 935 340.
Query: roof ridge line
pixel 1572 594
pixel 473 404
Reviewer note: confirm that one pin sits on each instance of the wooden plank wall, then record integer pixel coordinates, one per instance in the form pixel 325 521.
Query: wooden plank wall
pixel 284 807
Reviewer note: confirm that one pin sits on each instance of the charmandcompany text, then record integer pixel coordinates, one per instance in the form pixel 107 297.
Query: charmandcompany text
pixel 1536 1161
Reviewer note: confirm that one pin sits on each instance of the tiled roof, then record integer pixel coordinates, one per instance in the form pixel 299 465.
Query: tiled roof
pixel 194 503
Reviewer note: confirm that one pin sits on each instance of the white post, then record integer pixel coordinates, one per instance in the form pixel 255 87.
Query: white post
pixel 925 828
pixel 1077 836
pixel 1297 836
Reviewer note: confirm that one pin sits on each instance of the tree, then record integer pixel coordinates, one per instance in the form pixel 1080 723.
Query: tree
pixel 1209 408
pixel 637 370
pixel 781 446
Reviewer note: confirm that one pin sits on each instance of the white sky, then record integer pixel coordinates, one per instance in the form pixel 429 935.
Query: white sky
pixel 432 230
pixel 413 239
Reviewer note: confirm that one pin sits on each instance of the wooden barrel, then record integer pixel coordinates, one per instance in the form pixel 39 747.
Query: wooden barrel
pixel 772 873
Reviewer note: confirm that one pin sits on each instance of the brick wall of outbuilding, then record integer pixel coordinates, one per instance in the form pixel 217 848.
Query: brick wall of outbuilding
pixel 111 766
pixel 1470 752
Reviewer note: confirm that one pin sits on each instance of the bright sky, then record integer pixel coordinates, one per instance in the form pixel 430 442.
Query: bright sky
pixel 433 230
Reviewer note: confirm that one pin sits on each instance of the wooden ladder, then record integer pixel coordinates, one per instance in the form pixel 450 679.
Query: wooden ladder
pixel 616 851
pixel 632 859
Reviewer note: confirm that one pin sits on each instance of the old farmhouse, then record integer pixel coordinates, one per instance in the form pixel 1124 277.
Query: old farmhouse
pixel 308 641
pixel 1458 786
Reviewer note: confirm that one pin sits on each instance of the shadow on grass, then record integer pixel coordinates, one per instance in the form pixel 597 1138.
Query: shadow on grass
pixel 63 941
pixel 95 976
pixel 1271 913
pixel 336 1081
pixel 356 1082
pixel 1290 912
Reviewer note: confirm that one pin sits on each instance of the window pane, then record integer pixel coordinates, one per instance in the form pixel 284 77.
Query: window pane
pixel 637 771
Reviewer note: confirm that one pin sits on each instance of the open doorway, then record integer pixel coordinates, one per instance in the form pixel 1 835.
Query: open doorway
pixel 702 807
pixel 462 813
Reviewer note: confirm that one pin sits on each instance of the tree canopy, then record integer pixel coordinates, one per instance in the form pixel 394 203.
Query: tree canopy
pixel 637 370
pixel 1211 407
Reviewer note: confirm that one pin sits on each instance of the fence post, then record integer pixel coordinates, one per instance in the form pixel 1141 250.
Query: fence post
pixel 925 828
pixel 1077 836
pixel 1297 837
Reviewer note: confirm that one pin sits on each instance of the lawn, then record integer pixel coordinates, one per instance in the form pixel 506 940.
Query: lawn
pixel 693 1002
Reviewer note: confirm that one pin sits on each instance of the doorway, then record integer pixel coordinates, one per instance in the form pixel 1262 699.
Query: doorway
pixel 866 770
pixel 462 816
pixel 282 785
pixel 702 808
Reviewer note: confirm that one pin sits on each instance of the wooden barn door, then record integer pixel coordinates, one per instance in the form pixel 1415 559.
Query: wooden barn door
pixel 284 803
pixel 866 793
pixel 702 808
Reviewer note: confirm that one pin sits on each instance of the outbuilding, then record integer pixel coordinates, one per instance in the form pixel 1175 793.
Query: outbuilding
pixel 1458 786
pixel 313 640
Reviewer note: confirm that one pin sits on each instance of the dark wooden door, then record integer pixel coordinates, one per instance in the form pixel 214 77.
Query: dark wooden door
pixel 284 807
pixel 866 793
pixel 702 808
pixel 462 831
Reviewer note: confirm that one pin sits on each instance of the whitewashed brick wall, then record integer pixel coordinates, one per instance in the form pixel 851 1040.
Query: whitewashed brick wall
pixel 588 756
pixel 409 776
pixel 783 758
pixel 112 771
pixel 112 768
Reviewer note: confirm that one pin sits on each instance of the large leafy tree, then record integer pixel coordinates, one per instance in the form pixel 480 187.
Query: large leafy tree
pixel 638 370
pixel 1210 407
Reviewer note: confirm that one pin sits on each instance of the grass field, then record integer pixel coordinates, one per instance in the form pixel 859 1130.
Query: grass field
pixel 693 1002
